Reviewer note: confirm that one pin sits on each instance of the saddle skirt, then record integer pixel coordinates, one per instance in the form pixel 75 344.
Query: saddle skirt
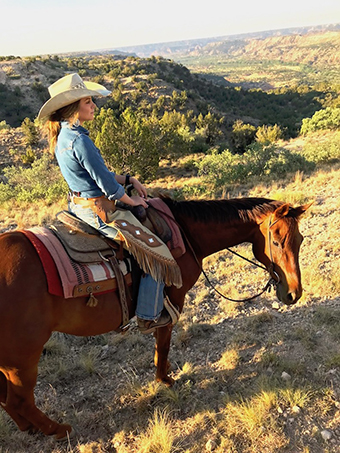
pixel 65 276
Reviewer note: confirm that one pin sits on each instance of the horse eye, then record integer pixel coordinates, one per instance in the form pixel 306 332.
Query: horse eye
pixel 276 243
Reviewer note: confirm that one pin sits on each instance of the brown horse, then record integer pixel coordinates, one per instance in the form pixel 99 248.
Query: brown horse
pixel 29 314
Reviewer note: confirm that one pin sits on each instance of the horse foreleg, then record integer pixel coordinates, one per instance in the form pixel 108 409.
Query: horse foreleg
pixel 3 387
pixel 22 423
pixel 20 404
pixel 163 337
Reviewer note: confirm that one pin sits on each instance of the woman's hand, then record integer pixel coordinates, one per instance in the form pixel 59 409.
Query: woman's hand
pixel 135 200
pixel 139 187
pixel 139 201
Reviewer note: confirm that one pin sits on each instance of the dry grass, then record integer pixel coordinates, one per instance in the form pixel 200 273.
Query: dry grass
pixel 159 436
pixel 250 377
pixel 18 216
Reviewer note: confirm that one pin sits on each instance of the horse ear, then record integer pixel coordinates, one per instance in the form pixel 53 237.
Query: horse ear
pixel 301 209
pixel 280 212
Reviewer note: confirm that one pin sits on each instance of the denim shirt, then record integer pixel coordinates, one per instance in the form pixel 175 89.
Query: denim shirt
pixel 82 165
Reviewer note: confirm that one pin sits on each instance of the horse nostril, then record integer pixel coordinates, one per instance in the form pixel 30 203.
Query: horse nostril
pixel 291 298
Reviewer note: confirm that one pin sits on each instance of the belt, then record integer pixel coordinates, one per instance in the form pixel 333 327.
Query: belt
pixel 101 206
pixel 87 202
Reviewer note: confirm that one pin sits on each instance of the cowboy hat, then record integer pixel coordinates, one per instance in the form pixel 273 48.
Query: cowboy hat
pixel 67 90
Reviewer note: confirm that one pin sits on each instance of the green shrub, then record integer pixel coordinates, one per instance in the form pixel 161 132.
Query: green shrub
pixel 323 152
pixel 30 131
pixel 6 192
pixel 258 161
pixel 221 169
pixel 242 135
pixel 128 143
pixel 328 118
pixel 268 134
pixel 134 142
pixel 29 156
pixel 209 128
pixel 42 180
pixel 4 125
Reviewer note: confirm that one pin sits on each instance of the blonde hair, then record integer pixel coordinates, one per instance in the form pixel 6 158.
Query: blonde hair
pixel 68 113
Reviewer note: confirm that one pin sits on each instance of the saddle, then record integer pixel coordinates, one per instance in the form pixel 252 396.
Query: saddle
pixel 83 243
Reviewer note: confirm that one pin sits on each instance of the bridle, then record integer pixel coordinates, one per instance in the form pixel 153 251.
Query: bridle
pixel 273 281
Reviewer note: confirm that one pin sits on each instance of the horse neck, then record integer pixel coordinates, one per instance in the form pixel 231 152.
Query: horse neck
pixel 211 226
pixel 207 238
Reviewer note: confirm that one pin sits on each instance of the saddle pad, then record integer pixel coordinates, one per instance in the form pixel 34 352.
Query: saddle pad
pixel 51 272
pixel 76 279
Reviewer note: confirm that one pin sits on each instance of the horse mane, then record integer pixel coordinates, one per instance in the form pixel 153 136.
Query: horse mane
pixel 232 210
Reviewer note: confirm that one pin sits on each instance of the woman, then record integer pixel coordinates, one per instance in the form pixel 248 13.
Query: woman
pixel 90 182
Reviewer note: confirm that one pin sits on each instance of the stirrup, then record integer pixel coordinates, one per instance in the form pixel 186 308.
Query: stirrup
pixel 148 326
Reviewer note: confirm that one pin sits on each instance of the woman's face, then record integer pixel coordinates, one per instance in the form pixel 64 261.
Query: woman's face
pixel 86 109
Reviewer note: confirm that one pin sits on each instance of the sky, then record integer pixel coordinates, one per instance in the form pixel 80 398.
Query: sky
pixel 38 27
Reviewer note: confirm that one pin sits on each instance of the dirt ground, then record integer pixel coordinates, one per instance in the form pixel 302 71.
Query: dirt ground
pixel 104 386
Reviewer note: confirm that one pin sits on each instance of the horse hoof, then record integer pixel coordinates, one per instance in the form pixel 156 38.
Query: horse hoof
pixel 67 433
pixel 168 381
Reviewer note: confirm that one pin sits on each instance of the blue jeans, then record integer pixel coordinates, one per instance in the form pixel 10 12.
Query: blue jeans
pixel 150 296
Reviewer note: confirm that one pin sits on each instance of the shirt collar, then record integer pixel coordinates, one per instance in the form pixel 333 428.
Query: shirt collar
pixel 74 127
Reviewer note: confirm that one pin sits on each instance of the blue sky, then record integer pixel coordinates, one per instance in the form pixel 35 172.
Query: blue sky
pixel 35 27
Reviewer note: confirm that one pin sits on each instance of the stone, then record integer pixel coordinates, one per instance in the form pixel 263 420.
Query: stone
pixel 286 376
pixel 296 409
pixel 210 445
pixel 326 435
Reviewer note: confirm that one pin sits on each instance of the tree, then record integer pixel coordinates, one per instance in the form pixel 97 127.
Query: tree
pixel 209 127
pixel 178 99
pixel 129 143
pixel 268 134
pixel 175 134
pixel 31 132
pixel 242 136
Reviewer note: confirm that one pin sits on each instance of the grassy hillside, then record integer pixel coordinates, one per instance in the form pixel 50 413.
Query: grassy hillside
pixel 271 62
pixel 250 378
pixel 156 85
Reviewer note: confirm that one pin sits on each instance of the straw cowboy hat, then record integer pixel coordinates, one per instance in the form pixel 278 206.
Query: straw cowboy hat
pixel 67 90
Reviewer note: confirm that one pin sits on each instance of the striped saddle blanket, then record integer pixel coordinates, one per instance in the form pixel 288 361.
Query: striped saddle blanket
pixel 67 278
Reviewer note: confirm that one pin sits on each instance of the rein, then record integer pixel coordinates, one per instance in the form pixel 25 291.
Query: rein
pixel 273 281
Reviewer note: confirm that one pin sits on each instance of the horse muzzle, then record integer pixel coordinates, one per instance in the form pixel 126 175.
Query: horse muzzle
pixel 283 292
pixel 286 296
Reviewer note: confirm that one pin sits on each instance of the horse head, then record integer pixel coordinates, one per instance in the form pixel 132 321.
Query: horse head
pixel 278 249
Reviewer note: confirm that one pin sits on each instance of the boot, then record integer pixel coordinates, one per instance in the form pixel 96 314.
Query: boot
pixel 149 326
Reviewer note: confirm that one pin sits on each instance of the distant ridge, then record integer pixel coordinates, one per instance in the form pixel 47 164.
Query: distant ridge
pixel 170 49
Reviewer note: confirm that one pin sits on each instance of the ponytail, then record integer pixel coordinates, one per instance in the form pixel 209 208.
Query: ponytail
pixel 52 129
pixel 52 126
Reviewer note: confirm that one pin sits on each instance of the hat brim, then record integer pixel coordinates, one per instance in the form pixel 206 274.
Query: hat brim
pixel 68 97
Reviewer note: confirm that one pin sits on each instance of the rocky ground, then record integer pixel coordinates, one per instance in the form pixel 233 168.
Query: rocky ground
pixel 223 356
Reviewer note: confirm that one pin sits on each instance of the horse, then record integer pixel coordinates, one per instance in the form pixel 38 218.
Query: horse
pixel 29 314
